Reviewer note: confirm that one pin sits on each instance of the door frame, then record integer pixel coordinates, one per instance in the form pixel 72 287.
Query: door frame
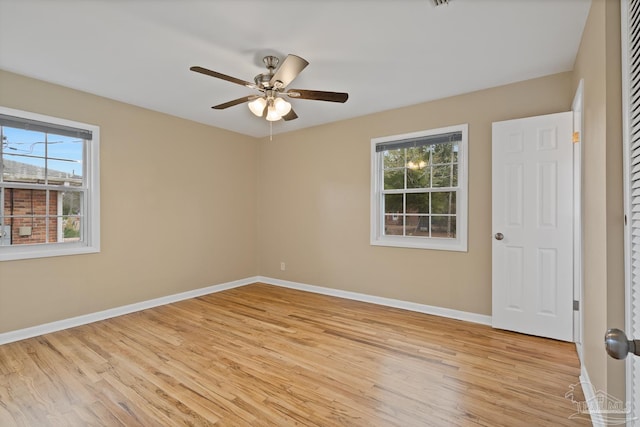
pixel 578 283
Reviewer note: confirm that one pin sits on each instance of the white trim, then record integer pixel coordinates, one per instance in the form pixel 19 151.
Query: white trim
pixel 93 194
pixel 578 284
pixel 389 302
pixel 46 250
pixel 59 221
pixel 46 328
pixel 595 412
pixel 626 150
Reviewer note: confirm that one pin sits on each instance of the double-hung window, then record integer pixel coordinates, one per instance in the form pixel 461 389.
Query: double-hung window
pixel 419 189
pixel 49 186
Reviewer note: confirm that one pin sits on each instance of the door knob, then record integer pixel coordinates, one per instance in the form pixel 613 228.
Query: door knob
pixel 618 346
pixel 499 236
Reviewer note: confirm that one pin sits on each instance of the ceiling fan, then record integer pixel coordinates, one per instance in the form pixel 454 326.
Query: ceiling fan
pixel 270 104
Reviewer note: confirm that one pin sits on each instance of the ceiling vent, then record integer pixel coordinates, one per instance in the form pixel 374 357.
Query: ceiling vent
pixel 440 2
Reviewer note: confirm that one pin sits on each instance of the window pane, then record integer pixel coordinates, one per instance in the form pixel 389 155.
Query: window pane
pixel 71 226
pixel 394 158
pixel 71 203
pixel 394 179
pixel 393 203
pixel 443 226
pixel 28 223
pixel 28 219
pixel 418 203
pixel 418 225
pixel 442 153
pixel 27 231
pixel 24 142
pixel 418 157
pixel 393 225
pixel 65 159
pixel 64 172
pixel 442 176
pixel 443 202
pixel 22 169
pixel 418 177
pixel 64 147
pixel 24 154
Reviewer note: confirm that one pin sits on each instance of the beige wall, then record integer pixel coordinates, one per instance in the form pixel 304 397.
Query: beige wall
pixel 598 63
pixel 177 212
pixel 314 200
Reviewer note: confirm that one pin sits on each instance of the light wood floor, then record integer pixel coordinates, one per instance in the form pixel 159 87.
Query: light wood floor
pixel 267 356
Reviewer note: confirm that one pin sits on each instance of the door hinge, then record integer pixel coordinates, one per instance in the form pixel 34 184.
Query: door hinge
pixel 576 137
pixel 576 305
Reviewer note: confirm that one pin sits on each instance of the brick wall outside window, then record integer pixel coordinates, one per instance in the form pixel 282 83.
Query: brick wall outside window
pixel 31 203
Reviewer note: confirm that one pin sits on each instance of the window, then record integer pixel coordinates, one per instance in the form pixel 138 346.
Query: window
pixel 49 186
pixel 419 189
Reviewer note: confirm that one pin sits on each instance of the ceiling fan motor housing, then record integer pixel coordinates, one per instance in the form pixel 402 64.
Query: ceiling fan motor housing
pixel 262 80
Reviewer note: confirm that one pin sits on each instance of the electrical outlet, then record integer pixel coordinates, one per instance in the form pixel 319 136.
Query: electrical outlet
pixel 283 267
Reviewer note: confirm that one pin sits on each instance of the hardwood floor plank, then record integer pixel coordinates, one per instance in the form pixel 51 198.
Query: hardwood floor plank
pixel 261 355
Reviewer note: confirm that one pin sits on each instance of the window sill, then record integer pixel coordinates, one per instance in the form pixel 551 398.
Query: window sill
pixel 15 253
pixel 418 243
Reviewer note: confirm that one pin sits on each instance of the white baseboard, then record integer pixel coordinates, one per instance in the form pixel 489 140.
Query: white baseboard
pixel 590 397
pixel 46 328
pixel 405 305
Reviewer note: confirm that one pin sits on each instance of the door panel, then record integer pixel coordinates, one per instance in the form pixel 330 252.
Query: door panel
pixel 533 208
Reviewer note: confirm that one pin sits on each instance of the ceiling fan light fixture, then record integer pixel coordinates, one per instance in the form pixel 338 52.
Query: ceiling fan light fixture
pixel 282 106
pixel 257 106
pixel 272 114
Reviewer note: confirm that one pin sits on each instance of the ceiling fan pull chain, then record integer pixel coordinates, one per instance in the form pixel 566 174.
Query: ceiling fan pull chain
pixel 270 131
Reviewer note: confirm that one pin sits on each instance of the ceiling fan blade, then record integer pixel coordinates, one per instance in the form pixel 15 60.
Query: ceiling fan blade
pixel 318 95
pixel 212 73
pixel 288 70
pixel 291 115
pixel 235 102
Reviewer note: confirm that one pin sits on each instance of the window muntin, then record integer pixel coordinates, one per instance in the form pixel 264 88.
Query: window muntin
pixel 49 186
pixel 419 189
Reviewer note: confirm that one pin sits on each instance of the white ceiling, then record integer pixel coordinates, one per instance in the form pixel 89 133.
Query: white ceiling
pixel 385 53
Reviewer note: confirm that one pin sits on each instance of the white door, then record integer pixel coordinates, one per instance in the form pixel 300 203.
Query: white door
pixel 533 226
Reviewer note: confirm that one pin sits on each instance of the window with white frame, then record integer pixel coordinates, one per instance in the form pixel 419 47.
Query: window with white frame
pixel 49 186
pixel 419 189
